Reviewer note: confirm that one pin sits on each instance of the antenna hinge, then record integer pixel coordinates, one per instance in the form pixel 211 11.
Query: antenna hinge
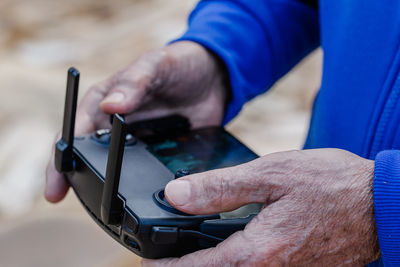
pixel 64 157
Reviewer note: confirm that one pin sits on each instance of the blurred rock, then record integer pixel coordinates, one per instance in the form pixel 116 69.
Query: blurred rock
pixel 22 142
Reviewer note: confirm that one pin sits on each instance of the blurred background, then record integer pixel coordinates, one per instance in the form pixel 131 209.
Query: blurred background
pixel 39 40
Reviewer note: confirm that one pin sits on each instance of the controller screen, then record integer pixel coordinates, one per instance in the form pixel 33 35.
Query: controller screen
pixel 199 150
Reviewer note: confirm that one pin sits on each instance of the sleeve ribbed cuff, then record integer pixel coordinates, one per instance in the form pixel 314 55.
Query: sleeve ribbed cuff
pixel 387 205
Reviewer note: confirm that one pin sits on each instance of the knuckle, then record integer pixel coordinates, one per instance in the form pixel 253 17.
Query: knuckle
pixel 222 187
pixel 122 78
pixel 214 186
pixel 130 81
pixel 98 89
pixel 145 73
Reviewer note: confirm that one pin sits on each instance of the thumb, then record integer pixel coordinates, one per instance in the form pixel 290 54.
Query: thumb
pixel 123 99
pixel 127 89
pixel 222 190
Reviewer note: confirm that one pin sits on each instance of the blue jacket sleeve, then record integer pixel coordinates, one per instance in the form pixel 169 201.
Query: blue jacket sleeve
pixel 387 205
pixel 258 40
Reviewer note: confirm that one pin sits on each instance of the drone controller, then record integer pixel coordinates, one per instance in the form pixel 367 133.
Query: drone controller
pixel 119 176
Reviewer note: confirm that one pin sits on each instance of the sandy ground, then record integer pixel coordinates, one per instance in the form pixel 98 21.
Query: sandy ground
pixel 39 40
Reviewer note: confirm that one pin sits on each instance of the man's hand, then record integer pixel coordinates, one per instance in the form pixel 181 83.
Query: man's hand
pixel 182 78
pixel 318 210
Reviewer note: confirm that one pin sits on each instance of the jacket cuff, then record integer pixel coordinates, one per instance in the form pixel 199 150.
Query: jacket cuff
pixel 387 205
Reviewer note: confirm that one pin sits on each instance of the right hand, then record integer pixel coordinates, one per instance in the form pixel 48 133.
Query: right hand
pixel 182 78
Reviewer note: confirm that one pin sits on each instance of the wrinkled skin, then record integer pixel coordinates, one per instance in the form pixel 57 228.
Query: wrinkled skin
pixel 318 210
pixel 182 78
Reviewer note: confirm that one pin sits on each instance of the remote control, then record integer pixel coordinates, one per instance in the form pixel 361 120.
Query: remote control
pixel 119 175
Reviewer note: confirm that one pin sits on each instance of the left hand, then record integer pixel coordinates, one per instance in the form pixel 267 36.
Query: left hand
pixel 318 210
pixel 182 78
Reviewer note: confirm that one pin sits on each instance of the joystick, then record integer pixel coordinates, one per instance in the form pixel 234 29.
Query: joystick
pixel 119 175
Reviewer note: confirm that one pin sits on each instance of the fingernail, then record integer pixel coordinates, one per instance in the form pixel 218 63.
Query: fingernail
pixel 114 98
pixel 178 192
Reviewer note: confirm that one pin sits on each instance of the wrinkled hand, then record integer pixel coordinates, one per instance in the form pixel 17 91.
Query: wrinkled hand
pixel 318 210
pixel 182 78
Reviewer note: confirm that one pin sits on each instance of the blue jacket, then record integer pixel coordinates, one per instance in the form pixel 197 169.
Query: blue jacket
pixel 357 107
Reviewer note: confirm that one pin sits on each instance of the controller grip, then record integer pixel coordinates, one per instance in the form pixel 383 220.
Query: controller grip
pixel 223 228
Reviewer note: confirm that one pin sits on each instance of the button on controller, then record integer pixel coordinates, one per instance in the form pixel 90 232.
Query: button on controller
pixel 181 172
pixel 103 136
pixel 130 140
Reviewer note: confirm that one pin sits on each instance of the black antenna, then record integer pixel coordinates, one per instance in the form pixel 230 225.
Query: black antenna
pixel 111 204
pixel 64 155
